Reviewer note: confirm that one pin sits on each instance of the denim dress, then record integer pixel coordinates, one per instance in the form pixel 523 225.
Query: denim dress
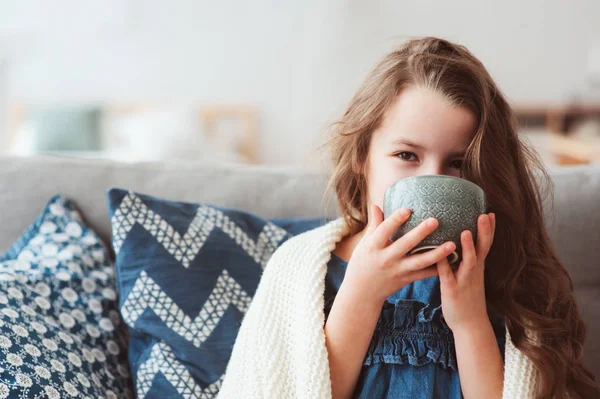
pixel 412 352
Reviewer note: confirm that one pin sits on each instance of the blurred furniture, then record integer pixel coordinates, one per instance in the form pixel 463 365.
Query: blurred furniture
pixel 559 122
pixel 127 130
pixel 248 143
pixel 556 119
pixel 572 151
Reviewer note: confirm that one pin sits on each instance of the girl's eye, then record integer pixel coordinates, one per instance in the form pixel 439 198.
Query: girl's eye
pixel 405 155
pixel 456 164
pixel 408 156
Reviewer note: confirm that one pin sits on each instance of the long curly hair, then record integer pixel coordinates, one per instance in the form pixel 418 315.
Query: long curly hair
pixel 525 282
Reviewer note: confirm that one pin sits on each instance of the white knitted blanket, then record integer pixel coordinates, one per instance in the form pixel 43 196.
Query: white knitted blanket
pixel 280 349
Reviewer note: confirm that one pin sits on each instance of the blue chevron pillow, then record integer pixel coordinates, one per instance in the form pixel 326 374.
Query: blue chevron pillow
pixel 60 331
pixel 186 274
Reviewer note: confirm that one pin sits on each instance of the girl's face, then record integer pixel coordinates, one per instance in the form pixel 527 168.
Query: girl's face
pixel 422 133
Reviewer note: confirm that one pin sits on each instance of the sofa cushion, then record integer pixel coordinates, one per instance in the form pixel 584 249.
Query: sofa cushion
pixel 186 274
pixel 60 331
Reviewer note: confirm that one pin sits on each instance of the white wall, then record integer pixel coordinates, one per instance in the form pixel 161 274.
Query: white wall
pixel 299 61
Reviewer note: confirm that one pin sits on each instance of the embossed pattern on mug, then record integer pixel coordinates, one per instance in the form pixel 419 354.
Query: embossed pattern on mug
pixel 448 199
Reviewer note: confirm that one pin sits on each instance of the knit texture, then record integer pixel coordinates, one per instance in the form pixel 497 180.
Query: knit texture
pixel 280 349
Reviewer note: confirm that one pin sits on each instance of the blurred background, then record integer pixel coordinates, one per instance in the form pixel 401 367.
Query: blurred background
pixel 259 82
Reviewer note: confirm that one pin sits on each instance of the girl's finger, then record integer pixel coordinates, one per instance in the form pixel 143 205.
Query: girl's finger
pixel 385 229
pixel 469 256
pixel 408 241
pixel 493 219
pixel 447 278
pixel 484 236
pixel 429 258
pixel 375 218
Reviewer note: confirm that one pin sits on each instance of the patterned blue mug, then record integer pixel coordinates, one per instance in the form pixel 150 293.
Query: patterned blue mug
pixel 455 202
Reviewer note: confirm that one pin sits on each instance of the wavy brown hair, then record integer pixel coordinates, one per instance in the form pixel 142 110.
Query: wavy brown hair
pixel 525 282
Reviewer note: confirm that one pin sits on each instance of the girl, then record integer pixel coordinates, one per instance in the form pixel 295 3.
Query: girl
pixel 341 311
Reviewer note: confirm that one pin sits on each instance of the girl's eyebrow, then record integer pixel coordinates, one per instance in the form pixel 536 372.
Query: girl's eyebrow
pixel 409 143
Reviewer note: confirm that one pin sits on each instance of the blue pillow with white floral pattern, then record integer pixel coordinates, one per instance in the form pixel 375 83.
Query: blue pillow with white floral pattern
pixel 186 274
pixel 60 330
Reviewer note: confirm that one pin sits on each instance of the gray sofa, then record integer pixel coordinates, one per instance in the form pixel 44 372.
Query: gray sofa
pixel 27 183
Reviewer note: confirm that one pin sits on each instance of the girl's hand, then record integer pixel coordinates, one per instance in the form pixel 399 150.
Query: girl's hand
pixel 379 267
pixel 463 292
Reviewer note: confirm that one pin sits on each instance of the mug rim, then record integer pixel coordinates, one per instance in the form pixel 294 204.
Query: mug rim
pixel 418 177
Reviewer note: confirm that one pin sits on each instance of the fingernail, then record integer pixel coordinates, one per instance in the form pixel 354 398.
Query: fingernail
pixel 449 246
pixel 431 222
pixel 403 211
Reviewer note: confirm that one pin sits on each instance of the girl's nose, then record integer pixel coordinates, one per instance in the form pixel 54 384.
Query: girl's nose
pixel 433 169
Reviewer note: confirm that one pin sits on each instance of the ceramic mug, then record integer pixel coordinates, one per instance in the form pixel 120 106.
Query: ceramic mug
pixel 455 202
